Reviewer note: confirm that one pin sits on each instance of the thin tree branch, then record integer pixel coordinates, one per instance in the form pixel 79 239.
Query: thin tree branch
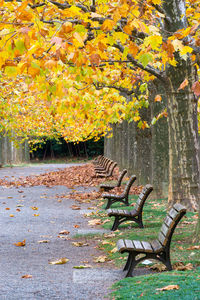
pixel 148 69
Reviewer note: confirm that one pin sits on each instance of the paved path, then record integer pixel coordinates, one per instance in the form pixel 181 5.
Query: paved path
pixel 48 281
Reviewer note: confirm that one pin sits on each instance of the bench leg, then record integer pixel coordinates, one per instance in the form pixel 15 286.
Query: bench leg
pixel 131 264
pixel 115 224
pixel 108 204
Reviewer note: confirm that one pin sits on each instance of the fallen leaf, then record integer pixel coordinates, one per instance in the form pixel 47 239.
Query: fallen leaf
pixel 101 259
pixel 17 209
pixel 11 215
pixel 79 244
pixel 60 261
pixel 27 276
pixel 195 247
pixel 19 205
pixel 43 241
pixel 64 232
pixel 75 207
pixel 158 267
pixel 7 208
pixel 20 244
pixel 34 208
pixel 36 215
pixel 179 266
pixel 95 222
pixel 114 250
pixel 82 267
pixel 76 226
pixel 62 237
pixel 169 287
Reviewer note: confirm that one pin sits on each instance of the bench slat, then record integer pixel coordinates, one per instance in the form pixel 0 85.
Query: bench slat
pixel 162 239
pixel 147 246
pixel 129 244
pixel 121 245
pixel 156 246
pixel 138 245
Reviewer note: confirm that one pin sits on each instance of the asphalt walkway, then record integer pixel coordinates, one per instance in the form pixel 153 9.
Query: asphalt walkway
pixel 36 214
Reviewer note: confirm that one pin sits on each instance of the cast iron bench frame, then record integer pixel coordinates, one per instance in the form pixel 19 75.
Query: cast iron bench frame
pixel 133 215
pixel 123 198
pixel 108 187
pixel 158 249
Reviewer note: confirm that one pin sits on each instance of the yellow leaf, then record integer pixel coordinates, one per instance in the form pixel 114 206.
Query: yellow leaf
pixel 60 261
pixel 78 38
pixel 185 50
pixel 108 25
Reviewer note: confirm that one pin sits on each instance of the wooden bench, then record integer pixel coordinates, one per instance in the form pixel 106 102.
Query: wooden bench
pixel 103 166
pixel 106 169
pixel 112 166
pixel 158 249
pixel 108 187
pixel 132 215
pixel 123 198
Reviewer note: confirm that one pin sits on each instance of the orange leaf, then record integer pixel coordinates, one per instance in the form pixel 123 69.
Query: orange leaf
pixel 158 98
pixel 183 84
pixel 196 88
pixel 169 287
pixel 20 244
pixel 27 276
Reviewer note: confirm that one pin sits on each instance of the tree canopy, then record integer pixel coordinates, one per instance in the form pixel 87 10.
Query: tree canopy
pixel 66 65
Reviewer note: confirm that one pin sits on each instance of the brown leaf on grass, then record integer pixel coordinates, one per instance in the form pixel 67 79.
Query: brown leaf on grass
pixel 101 259
pixel 195 247
pixel 18 209
pixel 169 287
pixel 76 226
pixel 26 276
pixel 59 261
pixel 7 208
pixel 64 232
pixel 20 244
pixel 95 222
pixel 114 250
pixel 179 266
pixel 158 267
pixel 79 244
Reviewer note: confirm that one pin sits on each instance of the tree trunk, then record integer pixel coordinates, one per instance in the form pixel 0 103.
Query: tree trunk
pixel 184 172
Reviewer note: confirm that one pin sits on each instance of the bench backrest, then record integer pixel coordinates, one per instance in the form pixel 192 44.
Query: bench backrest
pixel 142 197
pixel 170 222
pixel 121 176
pixel 108 165
pixel 128 185
pixel 112 167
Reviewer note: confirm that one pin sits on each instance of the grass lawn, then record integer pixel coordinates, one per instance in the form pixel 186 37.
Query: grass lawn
pixel 183 249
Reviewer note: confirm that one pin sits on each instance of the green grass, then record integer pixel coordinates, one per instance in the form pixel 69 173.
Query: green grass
pixel 145 287
pixel 154 213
